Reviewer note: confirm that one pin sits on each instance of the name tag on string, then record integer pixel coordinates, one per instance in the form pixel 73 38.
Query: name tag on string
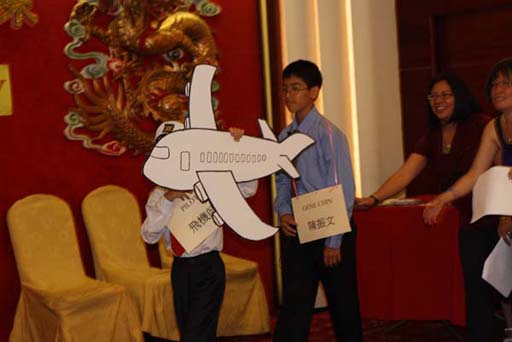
pixel 320 214
pixel 192 222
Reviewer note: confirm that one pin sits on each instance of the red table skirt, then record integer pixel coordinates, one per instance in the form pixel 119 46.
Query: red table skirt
pixel 406 270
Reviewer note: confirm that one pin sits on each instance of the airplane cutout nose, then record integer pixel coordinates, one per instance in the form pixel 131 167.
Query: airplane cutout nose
pixel 160 152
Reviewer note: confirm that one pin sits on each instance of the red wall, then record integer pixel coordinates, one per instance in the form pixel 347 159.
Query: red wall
pixel 35 156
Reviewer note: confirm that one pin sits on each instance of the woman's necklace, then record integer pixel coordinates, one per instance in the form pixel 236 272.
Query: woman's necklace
pixel 448 132
pixel 447 148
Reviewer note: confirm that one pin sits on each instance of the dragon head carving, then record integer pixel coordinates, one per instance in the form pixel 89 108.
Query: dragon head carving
pixel 147 51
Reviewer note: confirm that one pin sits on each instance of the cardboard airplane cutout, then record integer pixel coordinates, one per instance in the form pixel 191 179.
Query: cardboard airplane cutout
pixel 211 163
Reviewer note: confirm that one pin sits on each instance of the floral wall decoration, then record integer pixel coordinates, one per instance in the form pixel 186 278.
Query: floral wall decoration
pixel 130 62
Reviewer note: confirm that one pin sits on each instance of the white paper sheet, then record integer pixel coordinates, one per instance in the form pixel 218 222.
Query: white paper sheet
pixel 498 268
pixel 492 194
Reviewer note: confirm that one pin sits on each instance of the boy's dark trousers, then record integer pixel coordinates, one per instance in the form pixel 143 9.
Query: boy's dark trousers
pixel 303 267
pixel 198 289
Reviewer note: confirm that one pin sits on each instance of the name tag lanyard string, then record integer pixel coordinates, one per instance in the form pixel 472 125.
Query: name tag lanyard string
pixel 331 142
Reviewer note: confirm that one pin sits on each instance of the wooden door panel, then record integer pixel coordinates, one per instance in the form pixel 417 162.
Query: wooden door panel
pixel 473 37
pixel 414 124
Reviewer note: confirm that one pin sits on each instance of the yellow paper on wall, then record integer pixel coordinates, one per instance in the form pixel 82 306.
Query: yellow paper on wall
pixel 5 91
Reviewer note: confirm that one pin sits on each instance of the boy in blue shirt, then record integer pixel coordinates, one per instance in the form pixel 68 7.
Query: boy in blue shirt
pixel 330 260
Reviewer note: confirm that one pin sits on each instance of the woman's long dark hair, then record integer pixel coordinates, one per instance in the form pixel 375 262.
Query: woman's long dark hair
pixel 465 102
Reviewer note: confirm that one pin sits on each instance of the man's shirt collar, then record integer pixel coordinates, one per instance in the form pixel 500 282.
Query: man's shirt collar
pixel 306 124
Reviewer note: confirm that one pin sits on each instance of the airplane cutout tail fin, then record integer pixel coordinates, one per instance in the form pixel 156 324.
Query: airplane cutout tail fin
pixel 286 164
pixel 290 148
pixel 294 144
pixel 266 131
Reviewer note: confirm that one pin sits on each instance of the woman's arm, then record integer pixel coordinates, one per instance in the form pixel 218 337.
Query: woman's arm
pixel 483 160
pixel 397 182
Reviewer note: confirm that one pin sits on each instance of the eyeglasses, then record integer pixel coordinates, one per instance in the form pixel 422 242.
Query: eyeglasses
pixel 504 84
pixel 442 96
pixel 294 89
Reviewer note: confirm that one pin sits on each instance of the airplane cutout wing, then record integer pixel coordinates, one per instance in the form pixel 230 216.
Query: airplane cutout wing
pixel 200 98
pixel 228 202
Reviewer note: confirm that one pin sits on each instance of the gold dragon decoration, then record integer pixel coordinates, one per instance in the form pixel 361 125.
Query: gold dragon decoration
pixel 17 12
pixel 147 51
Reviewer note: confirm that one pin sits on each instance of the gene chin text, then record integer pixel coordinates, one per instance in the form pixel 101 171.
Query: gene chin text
pixel 318 204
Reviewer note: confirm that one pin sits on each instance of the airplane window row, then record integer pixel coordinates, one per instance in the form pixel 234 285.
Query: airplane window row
pixel 225 157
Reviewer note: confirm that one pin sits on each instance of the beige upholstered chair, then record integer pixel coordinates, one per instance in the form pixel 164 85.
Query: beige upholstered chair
pixel 113 223
pixel 58 302
pixel 244 310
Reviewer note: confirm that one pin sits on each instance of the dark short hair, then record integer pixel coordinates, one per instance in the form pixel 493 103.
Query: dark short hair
pixel 503 67
pixel 305 70
pixel 465 103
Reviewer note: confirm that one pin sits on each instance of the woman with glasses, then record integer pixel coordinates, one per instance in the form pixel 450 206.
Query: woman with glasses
pixel 449 145
pixel 495 149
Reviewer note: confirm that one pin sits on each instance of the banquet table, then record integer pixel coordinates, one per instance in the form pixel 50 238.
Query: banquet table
pixel 407 270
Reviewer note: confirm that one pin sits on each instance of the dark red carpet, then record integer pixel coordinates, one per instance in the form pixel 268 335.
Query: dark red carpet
pixel 375 331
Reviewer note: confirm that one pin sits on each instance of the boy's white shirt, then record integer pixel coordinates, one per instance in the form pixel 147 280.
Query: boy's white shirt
pixel 159 211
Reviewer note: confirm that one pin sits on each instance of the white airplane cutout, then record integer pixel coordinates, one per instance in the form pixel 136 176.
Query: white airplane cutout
pixel 211 163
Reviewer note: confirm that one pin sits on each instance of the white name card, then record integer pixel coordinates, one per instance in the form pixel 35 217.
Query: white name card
pixel 320 214
pixel 192 222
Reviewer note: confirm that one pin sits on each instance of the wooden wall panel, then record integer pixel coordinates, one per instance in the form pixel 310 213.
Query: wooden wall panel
pixel 469 43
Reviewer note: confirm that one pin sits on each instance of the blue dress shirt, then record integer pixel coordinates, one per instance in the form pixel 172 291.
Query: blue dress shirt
pixel 315 166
